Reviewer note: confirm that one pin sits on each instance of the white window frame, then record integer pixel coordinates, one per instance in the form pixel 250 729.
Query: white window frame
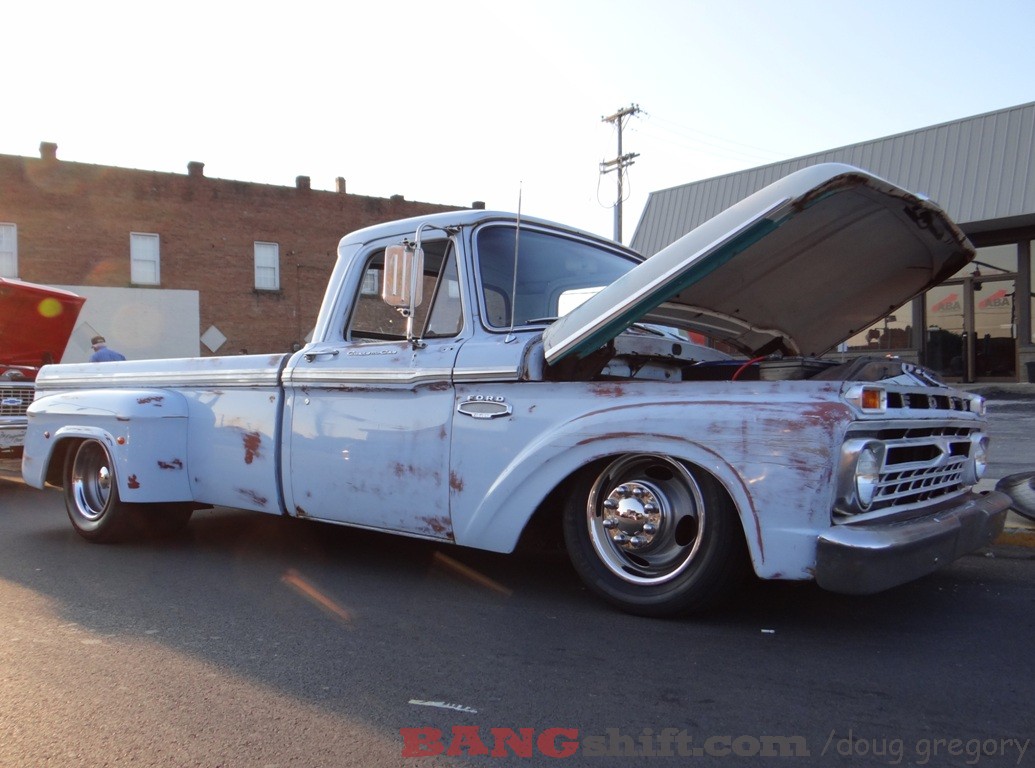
pixel 267 266
pixel 145 260
pixel 8 250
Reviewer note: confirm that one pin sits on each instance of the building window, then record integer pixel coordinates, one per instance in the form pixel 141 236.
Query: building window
pixel 267 267
pixel 144 259
pixel 991 261
pixel 370 283
pixel 8 250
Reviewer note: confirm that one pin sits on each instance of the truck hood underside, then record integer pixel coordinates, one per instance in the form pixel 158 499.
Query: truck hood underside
pixel 798 267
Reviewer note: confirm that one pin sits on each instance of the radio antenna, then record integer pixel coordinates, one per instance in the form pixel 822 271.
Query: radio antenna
pixel 513 290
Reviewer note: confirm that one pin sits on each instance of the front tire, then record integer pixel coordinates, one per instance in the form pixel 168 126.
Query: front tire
pixel 94 506
pixel 654 537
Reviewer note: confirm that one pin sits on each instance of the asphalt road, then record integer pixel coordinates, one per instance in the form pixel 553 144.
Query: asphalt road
pixel 257 641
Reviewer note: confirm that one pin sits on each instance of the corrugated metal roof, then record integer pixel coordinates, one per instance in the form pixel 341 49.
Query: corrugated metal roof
pixel 980 169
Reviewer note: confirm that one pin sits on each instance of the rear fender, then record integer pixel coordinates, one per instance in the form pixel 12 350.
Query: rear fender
pixel 144 430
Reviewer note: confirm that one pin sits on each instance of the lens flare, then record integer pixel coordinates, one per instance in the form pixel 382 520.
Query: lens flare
pixel 49 307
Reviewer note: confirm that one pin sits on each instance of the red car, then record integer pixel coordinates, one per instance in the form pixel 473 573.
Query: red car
pixel 36 322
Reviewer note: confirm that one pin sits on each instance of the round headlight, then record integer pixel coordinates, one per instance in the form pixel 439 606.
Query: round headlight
pixel 867 475
pixel 980 458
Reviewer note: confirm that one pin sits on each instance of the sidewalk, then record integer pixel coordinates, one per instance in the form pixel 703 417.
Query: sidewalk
pixel 1011 411
pixel 1018 531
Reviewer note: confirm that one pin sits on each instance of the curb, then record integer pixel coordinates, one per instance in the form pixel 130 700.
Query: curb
pixel 1015 537
pixel 1018 532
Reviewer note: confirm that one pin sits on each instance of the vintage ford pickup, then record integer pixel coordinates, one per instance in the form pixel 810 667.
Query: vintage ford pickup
pixel 36 322
pixel 472 372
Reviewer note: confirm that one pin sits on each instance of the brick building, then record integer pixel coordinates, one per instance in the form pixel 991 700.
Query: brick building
pixel 176 264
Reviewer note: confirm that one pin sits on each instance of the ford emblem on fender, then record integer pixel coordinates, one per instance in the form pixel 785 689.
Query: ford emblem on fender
pixel 484 407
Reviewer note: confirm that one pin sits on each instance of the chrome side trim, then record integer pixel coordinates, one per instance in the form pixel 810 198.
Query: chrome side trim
pixel 486 374
pixel 136 380
pixel 375 376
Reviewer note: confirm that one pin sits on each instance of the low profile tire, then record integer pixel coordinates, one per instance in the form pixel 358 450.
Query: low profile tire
pixel 653 537
pixel 97 512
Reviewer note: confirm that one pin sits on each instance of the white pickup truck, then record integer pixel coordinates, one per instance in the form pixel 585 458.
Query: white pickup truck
pixel 471 372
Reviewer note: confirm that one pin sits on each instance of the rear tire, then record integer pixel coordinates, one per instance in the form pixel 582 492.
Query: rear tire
pixel 94 506
pixel 654 537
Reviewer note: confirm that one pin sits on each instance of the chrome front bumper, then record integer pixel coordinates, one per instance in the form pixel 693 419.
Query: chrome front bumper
pixel 863 559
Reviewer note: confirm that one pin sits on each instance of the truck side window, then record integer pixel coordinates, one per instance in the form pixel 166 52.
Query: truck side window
pixel 554 273
pixel 439 315
pixel 446 317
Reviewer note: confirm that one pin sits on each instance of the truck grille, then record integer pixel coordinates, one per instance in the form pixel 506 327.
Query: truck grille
pixel 921 465
pixel 15 401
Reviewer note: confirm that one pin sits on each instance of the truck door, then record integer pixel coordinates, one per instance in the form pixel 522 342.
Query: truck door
pixel 370 414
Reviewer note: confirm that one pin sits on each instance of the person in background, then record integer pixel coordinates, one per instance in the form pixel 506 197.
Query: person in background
pixel 101 352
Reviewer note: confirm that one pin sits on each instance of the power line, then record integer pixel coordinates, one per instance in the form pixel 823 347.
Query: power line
pixel 620 162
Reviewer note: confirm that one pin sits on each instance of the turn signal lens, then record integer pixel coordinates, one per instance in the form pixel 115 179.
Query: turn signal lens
pixel 872 399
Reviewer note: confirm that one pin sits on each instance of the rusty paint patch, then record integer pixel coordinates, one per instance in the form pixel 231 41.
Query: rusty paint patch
pixel 829 415
pixel 456 482
pixel 437 525
pixel 607 390
pixel 299 512
pixel 174 464
pixel 252 444
pixel 132 482
pixel 253 496
pixel 151 400
pixel 400 470
pixel 625 436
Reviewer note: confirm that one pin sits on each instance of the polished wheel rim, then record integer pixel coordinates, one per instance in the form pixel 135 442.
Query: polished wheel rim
pixel 91 481
pixel 646 519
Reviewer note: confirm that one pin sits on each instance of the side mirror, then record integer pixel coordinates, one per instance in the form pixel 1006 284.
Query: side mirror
pixel 403 285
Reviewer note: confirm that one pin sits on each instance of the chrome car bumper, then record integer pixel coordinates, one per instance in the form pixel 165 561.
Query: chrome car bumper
pixel 12 434
pixel 863 559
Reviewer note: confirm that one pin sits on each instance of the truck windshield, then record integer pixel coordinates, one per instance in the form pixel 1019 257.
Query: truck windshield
pixel 554 273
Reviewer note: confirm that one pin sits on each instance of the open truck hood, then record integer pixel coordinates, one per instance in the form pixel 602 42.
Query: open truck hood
pixel 36 322
pixel 797 267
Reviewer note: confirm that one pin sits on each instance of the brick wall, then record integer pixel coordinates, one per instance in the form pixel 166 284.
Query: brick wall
pixel 74 222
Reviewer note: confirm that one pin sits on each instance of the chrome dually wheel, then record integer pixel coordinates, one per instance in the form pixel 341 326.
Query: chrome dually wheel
pixel 95 508
pixel 90 483
pixel 646 519
pixel 654 536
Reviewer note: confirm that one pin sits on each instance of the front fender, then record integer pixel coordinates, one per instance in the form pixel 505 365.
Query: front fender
pixel 145 430
pixel 770 449
pixel 497 522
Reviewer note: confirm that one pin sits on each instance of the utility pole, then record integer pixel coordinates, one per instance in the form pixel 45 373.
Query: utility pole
pixel 620 162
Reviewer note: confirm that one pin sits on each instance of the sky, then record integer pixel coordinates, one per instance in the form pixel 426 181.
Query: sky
pixel 502 102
